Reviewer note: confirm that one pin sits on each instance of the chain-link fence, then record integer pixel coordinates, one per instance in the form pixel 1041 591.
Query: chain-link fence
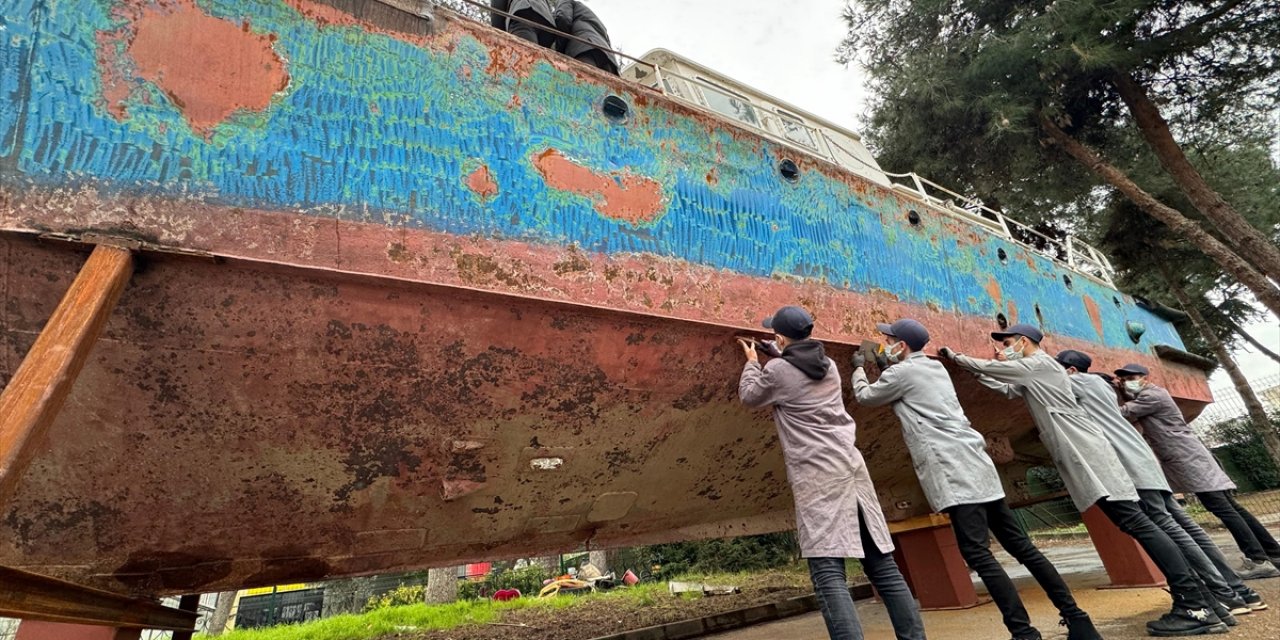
pixel 1228 405
pixel 1226 428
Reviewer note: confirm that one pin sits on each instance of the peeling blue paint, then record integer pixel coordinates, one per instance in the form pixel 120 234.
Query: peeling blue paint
pixel 375 129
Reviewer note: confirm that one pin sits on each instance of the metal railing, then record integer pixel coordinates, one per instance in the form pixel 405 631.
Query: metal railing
pixel 1066 250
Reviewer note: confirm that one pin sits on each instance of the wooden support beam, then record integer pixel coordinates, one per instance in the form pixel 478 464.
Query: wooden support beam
pixel 34 597
pixel 42 382
pixel 190 603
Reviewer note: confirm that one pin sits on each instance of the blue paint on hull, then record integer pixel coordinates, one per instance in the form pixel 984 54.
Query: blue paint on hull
pixel 372 128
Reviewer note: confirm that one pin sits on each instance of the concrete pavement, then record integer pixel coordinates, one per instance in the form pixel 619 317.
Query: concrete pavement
pixel 1120 614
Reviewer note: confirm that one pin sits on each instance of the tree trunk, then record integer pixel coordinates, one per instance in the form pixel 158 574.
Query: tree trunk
pixel 1254 245
pixel 442 585
pixel 221 614
pixel 1257 413
pixel 551 564
pixel 600 560
pixel 1183 226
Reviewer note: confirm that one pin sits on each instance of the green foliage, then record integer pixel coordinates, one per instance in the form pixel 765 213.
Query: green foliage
pixel 527 579
pixel 388 621
pixel 400 596
pixel 960 88
pixel 748 553
pixel 1244 446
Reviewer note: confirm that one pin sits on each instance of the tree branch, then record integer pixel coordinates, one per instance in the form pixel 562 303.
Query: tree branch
pixel 1179 224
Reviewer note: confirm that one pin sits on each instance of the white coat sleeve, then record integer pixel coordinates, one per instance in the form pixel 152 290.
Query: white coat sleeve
pixel 756 387
pixel 886 390
pixel 997 375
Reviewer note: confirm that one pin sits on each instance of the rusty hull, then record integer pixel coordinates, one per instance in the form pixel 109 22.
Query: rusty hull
pixel 410 300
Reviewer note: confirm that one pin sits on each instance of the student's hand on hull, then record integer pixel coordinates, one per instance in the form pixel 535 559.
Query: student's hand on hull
pixel 947 354
pixel 769 348
pixel 859 360
pixel 749 348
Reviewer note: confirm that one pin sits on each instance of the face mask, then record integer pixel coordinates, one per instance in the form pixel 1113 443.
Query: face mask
pixel 1013 352
pixel 894 352
pixel 1133 387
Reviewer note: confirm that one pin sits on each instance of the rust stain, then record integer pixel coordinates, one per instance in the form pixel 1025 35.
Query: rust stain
pixel 482 183
pixel 209 67
pixel 713 176
pixel 617 195
pixel 1095 314
pixel 1013 313
pixel 994 290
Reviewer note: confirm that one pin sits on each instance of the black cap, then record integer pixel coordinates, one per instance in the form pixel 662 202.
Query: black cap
pixel 1133 370
pixel 907 330
pixel 1024 330
pixel 1078 360
pixel 792 322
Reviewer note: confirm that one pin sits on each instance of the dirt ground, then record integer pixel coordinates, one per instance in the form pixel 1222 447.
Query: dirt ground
pixel 599 617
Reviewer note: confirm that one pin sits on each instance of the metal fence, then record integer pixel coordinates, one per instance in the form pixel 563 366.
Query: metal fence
pixel 1228 405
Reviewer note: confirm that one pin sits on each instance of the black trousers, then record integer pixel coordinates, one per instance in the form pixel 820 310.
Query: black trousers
pixel 533 34
pixel 1128 516
pixel 973 525
pixel 1254 540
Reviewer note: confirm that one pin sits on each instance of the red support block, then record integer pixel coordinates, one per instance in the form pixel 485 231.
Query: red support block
pixel 1127 564
pixel 930 560
pixel 37 630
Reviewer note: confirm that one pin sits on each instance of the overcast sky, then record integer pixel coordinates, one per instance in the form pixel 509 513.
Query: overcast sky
pixel 787 49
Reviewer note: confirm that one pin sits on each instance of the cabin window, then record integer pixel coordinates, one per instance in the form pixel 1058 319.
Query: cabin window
pixel 730 105
pixel 672 88
pixel 796 131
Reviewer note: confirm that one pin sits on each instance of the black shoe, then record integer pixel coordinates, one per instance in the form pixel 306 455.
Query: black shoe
pixel 1254 601
pixel 1080 628
pixel 1186 622
pixel 1236 607
pixel 1035 636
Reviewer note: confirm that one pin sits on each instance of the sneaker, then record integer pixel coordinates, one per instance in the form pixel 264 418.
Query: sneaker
pixel 1254 602
pixel 1186 622
pixel 1236 607
pixel 1250 570
pixel 1080 628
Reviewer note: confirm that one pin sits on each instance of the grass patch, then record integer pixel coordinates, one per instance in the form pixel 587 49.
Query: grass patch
pixel 423 617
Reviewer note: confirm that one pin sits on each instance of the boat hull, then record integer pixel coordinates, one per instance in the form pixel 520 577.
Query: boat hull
pixel 411 300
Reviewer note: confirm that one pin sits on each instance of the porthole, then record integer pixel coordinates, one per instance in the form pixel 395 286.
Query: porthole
pixel 1039 316
pixel 788 170
pixel 615 109
pixel 1116 301
pixel 913 217
pixel 1002 321
pixel 1004 257
pixel 1066 279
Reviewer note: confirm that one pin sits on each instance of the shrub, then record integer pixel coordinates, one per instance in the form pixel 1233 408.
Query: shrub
pixel 527 579
pixel 401 595
pixel 1244 446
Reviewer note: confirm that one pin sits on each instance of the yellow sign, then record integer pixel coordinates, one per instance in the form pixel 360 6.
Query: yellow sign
pixel 263 591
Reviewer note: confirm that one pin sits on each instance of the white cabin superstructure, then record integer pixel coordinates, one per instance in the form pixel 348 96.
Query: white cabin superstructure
pixel 683 79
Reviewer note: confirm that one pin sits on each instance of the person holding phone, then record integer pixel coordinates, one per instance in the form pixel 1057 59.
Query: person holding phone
pixel 838 515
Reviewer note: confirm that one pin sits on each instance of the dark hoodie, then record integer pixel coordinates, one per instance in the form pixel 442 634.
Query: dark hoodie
pixel 809 357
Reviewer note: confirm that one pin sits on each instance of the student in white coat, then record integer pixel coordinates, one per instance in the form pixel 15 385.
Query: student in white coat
pixel 1097 397
pixel 838 515
pixel 959 478
pixel 1089 466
